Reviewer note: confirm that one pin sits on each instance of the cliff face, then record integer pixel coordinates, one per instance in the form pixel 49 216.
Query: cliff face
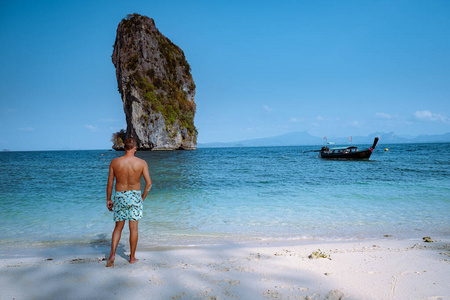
pixel 156 86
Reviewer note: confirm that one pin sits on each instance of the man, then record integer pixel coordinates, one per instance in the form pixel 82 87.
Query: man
pixel 127 205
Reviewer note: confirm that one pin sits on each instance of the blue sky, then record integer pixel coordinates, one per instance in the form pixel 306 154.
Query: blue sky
pixel 262 68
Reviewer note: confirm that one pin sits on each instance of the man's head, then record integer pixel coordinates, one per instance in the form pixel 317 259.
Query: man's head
pixel 130 143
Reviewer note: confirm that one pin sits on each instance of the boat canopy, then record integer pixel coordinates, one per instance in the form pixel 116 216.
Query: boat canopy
pixel 343 148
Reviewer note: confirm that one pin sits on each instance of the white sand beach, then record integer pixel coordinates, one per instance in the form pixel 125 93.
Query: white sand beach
pixel 368 269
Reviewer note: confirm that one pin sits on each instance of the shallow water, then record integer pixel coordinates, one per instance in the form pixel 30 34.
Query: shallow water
pixel 228 195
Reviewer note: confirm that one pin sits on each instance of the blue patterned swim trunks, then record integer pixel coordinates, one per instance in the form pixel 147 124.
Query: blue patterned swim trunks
pixel 127 206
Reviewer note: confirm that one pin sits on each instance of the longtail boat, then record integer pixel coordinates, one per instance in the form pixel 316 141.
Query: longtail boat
pixel 342 153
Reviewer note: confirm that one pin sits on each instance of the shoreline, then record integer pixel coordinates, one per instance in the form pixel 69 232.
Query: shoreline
pixel 386 268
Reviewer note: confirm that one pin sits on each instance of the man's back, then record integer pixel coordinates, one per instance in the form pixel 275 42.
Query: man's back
pixel 128 171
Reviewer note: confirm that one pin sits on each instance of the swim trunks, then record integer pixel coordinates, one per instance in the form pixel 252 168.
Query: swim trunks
pixel 128 206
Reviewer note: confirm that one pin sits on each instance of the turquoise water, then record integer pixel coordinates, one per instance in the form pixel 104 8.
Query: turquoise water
pixel 229 195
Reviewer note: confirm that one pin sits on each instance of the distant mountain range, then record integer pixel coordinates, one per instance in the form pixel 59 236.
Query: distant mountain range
pixel 304 138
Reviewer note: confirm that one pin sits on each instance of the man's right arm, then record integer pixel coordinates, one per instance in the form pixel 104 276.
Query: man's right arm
pixel 148 181
pixel 109 188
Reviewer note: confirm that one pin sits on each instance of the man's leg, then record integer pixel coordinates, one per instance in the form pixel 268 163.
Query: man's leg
pixel 115 242
pixel 133 240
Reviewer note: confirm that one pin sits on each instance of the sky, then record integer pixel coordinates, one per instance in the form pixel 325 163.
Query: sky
pixel 262 68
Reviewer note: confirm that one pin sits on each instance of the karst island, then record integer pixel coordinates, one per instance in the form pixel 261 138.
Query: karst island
pixel 156 86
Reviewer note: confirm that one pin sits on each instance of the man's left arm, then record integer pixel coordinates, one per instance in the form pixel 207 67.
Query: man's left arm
pixel 109 188
pixel 148 181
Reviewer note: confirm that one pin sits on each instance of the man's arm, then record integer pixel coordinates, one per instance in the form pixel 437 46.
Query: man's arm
pixel 109 188
pixel 148 181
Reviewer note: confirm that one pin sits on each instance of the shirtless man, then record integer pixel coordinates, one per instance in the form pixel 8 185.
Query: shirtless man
pixel 127 205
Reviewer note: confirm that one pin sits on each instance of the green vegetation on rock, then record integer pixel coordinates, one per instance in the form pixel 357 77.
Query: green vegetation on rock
pixel 169 99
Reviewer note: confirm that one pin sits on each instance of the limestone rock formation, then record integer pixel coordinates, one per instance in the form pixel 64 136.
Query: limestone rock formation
pixel 156 86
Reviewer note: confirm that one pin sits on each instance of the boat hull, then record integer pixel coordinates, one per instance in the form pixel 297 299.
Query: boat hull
pixel 365 154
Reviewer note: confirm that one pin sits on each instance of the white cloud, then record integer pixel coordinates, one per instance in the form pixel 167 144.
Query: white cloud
pixel 26 128
pixel 267 108
pixel 320 118
pixel 106 120
pixel 248 130
pixel 426 115
pixel 383 115
pixel 91 128
pixel 356 123
pixel 296 120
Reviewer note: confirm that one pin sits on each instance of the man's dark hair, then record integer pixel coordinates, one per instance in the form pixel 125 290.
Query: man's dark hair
pixel 130 143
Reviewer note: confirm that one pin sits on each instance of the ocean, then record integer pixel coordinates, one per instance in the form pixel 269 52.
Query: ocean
pixel 229 195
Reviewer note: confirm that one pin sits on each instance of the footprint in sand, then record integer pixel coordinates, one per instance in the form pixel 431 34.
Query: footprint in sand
pixel 156 280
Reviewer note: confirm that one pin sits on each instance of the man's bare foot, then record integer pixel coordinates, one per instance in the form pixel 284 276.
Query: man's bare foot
pixel 133 261
pixel 110 262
